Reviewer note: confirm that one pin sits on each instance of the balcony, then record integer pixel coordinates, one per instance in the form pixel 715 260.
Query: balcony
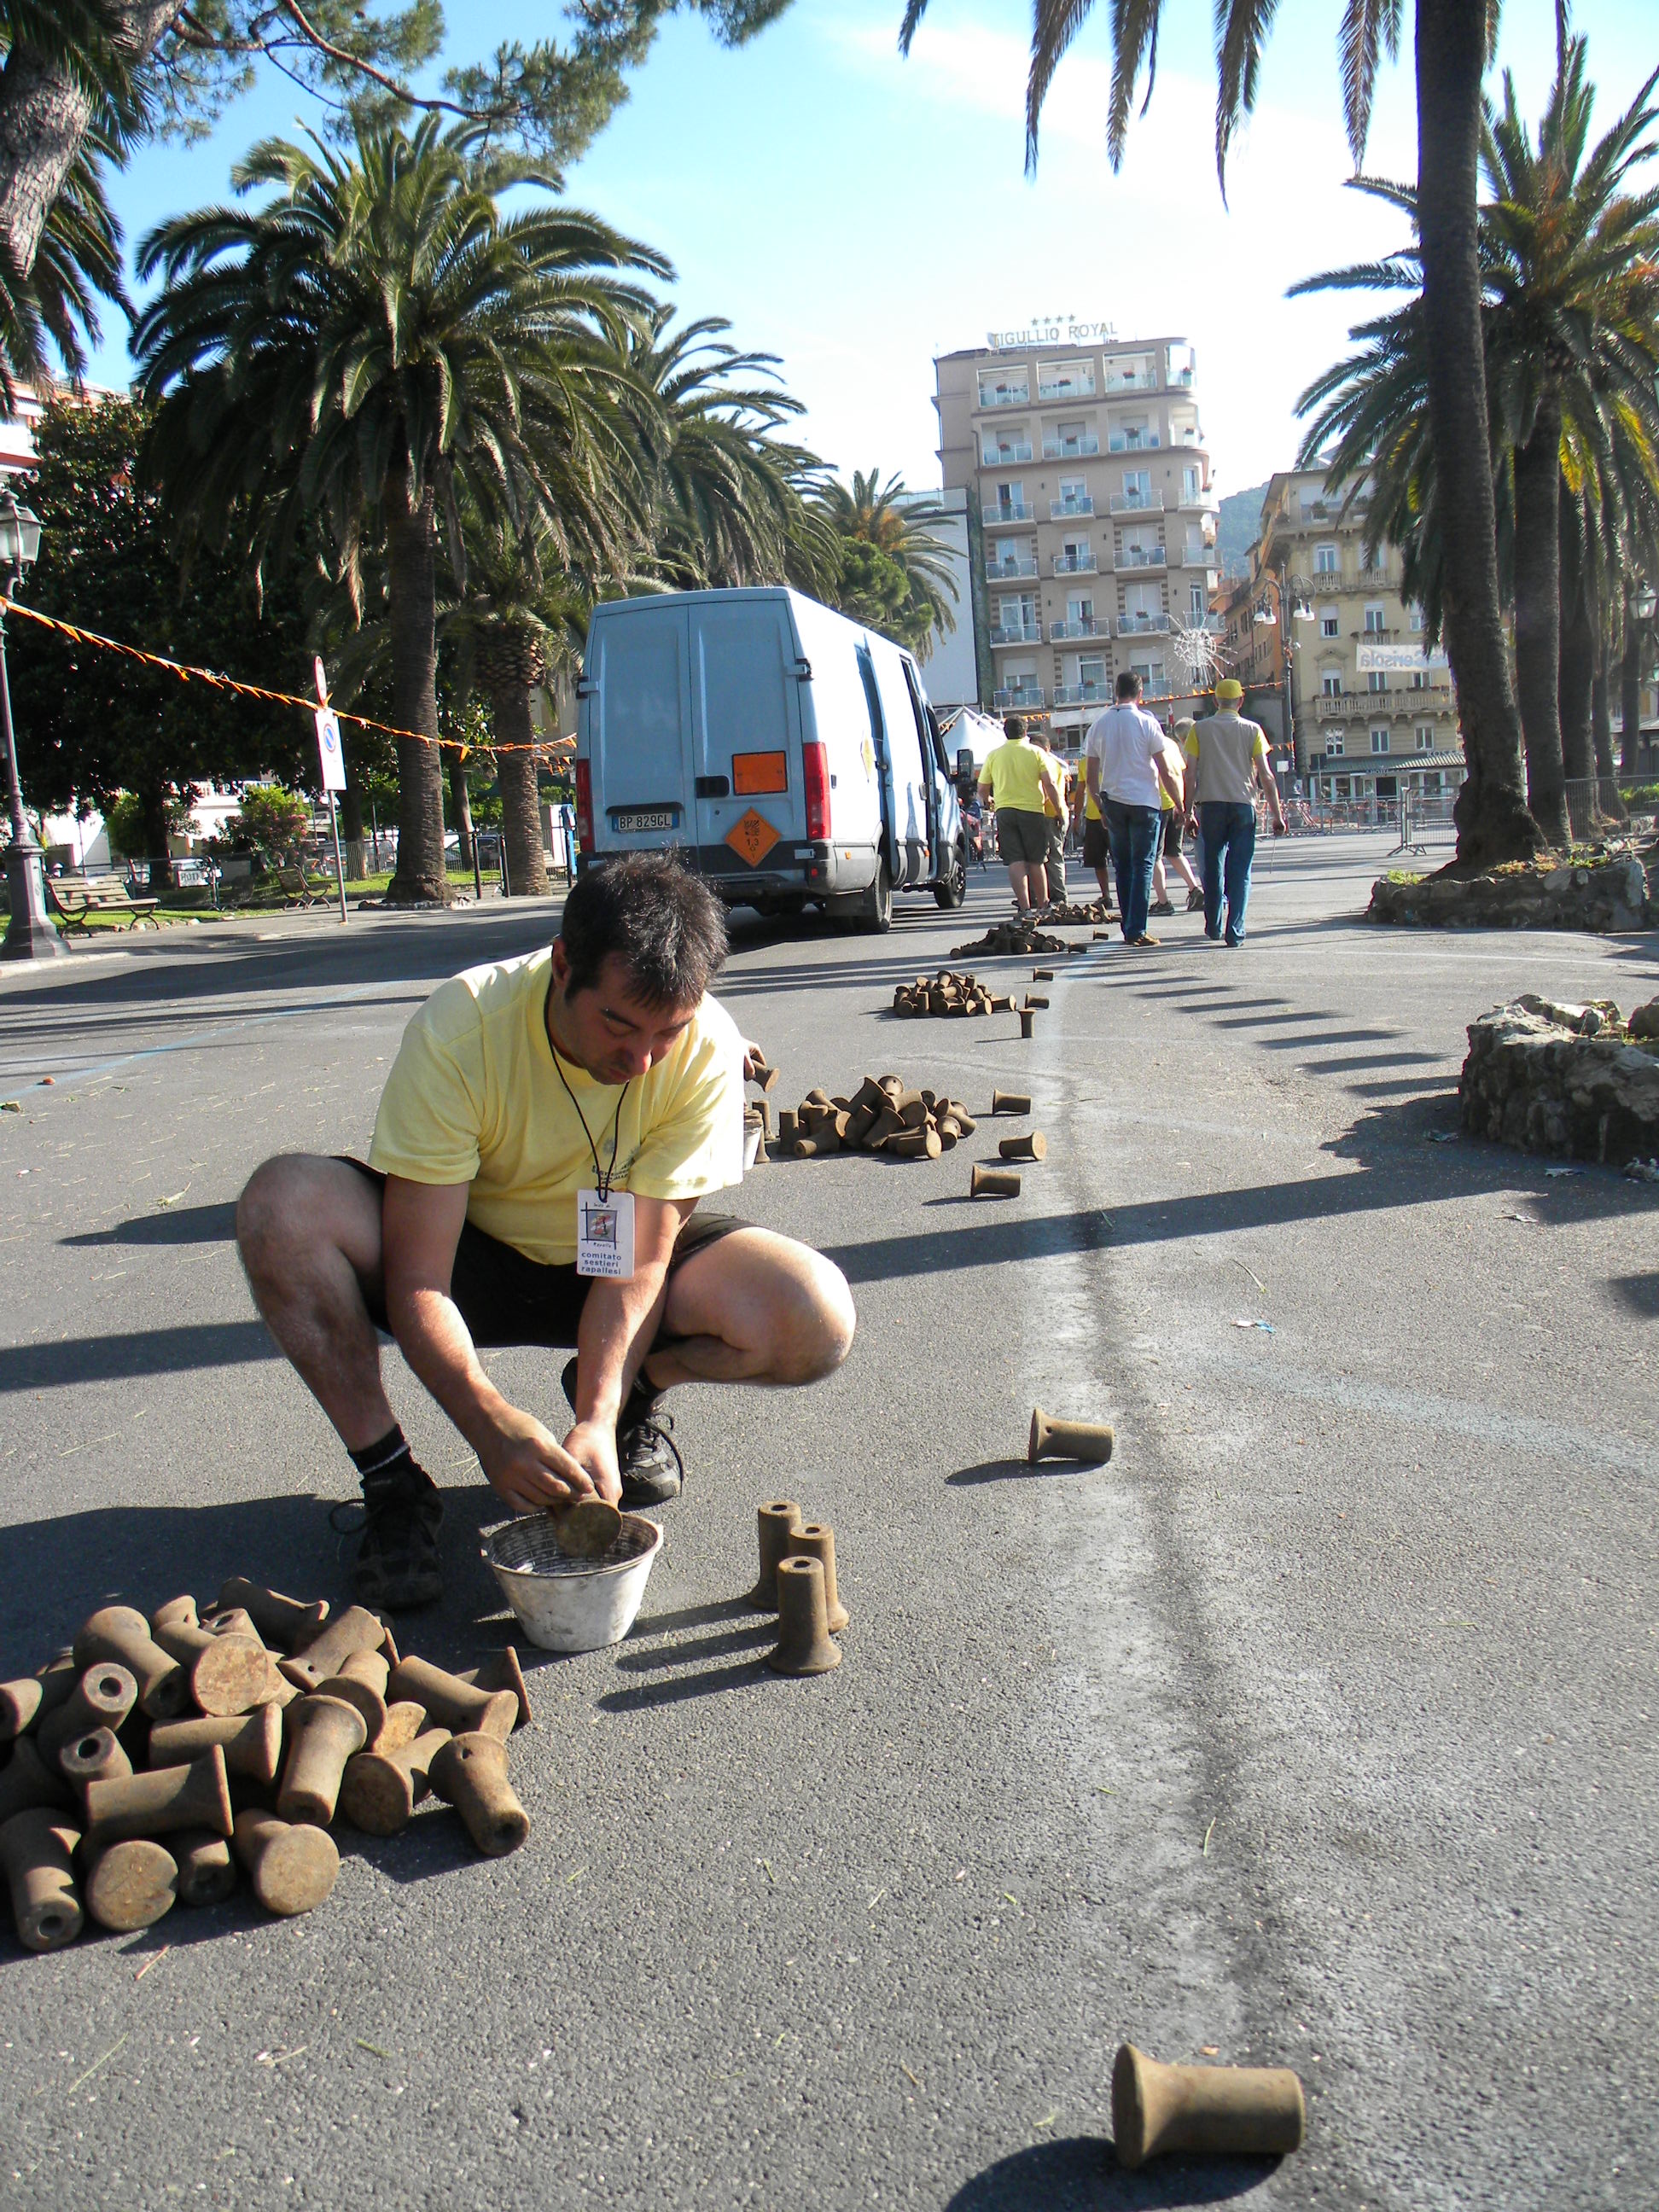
pixel 1196 494
pixel 1141 624
pixel 1017 395
pixel 1066 510
pixel 1434 699
pixel 1004 456
pixel 1071 449
pixel 1197 557
pixel 1074 564
pixel 1132 441
pixel 1029 696
pixel 1078 388
pixel 1181 379
pixel 1136 502
pixel 1083 695
pixel 1141 381
pixel 1080 626
pixel 997 512
pixel 1142 557
pixel 1028 633
pixel 1010 564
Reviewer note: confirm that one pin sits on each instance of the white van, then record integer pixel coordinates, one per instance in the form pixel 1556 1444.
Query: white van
pixel 792 755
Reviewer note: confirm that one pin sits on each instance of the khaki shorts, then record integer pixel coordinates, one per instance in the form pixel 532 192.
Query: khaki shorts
pixel 1021 836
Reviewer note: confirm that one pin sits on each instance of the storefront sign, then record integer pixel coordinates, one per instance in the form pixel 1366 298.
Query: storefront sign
pixel 1399 660
pixel 1051 329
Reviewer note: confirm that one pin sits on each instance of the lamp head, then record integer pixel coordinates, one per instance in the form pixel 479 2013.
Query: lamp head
pixel 19 534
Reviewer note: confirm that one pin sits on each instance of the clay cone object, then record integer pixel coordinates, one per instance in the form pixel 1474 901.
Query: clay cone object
pixel 207 1873
pixel 993 1182
pixel 587 1529
pixel 97 1756
pixel 353 1690
pixel 1207 2110
pixel 788 1127
pixel 761 1070
pixel 403 1721
pixel 37 1856
pixel 1034 1005
pixel 356 1629
pixel 118 1633
pixel 1027 1023
pixel 20 1706
pixel 1088 1441
pixel 1010 1102
pixel 1035 1146
pixel 470 1773
pixel 292 1866
pixel 453 1703
pixel 130 1885
pixel 322 1733
pixel 501 1671
pixel 251 1743
pixel 177 1613
pixel 805 1645
pixel 231 1620
pixel 233 1675
pixel 27 1784
pixel 381 1789
pixel 289 1623
pixel 193 1796
pixel 916 1145
pixel 817 1541
pixel 102 1698
pixel 1042 974
pixel 777 1522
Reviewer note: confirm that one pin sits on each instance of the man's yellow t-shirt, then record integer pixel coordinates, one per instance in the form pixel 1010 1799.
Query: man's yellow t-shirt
pixel 1014 771
pixel 1175 761
pixel 1062 776
pixel 474 1096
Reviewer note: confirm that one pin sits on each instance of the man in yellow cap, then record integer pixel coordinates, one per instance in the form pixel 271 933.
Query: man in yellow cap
pixel 1016 780
pixel 1226 764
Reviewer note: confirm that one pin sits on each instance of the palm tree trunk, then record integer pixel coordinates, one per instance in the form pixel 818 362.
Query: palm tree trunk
pixel 153 805
pixel 1630 690
pixel 1606 775
pixel 1538 618
pixel 515 771
pixel 1492 821
pixel 460 807
pixel 411 553
pixel 1578 676
pixel 351 831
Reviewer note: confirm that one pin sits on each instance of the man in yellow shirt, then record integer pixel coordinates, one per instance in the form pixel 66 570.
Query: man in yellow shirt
pixel 1016 777
pixel 1057 816
pixel 542 1142
pixel 1096 848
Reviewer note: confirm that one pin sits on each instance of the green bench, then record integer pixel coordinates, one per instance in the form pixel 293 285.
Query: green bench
pixel 74 905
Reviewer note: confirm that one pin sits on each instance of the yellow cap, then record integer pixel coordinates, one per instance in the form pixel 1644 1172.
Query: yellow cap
pixel 1229 688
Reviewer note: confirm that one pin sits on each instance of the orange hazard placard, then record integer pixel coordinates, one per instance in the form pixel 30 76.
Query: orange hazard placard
pixel 751 837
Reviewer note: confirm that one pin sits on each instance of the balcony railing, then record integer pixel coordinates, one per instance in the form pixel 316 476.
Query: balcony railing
pixel 1074 564
pixel 1017 395
pixel 1082 694
pixel 1067 388
pixel 1064 510
pixel 1181 377
pixel 997 512
pixel 1080 626
pixel 1142 380
pixel 1196 494
pixel 1197 557
pixel 1403 702
pixel 1028 633
pixel 1141 624
pixel 1140 441
pixel 1003 457
pixel 1020 695
pixel 1071 449
pixel 1022 564
pixel 1137 502
pixel 1142 557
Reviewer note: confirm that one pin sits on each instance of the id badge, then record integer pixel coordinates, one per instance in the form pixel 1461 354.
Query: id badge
pixel 604 1234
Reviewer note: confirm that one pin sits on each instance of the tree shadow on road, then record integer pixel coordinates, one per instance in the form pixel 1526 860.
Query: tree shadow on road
pixel 1079 2174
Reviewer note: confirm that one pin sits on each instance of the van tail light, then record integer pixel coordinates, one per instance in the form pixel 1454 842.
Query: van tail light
pixel 585 805
pixel 815 758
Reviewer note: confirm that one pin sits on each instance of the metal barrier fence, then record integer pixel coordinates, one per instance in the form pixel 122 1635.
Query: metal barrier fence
pixel 1426 822
pixel 1596 809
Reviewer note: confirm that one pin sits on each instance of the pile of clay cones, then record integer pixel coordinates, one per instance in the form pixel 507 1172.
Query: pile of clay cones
pixel 1074 916
pixel 798 1582
pixel 1012 937
pixel 883 1114
pixel 948 992
pixel 155 1762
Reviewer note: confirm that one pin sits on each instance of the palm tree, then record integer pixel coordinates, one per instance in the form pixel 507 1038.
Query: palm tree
pixel 375 345
pixel 1453 44
pixel 898 524
pixel 78 261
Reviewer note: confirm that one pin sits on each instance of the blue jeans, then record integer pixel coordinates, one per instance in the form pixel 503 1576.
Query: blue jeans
pixel 1229 833
pixel 1134 832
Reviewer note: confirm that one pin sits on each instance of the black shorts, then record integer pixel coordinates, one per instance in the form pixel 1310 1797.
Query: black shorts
pixel 505 1298
pixel 1174 820
pixel 1021 836
pixel 1095 846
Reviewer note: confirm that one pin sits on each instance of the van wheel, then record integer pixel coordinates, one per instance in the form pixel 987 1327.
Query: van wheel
pixel 952 887
pixel 875 909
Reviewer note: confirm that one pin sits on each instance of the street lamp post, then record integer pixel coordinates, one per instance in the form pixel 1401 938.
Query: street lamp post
pixel 29 935
pixel 1290 594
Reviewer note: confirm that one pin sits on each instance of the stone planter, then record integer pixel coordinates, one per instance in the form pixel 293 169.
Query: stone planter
pixel 1604 895
pixel 1578 1082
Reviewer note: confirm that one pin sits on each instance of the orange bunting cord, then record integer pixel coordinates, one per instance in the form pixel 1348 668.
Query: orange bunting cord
pixel 187 674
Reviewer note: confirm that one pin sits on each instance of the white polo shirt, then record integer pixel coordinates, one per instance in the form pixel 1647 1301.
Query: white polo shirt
pixel 1128 741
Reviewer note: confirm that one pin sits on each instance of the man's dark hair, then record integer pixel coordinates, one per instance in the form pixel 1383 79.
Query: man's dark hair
pixel 665 925
pixel 1128 685
pixel 1013 726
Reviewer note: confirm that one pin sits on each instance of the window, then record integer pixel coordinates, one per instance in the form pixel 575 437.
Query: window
pixel 1414 617
pixel 1011 496
pixel 1091 669
pixel 1373 621
pixel 1420 679
pixel 1376 679
pixel 1004 391
pixel 1150 673
pixel 1137 486
pixel 1192 486
pixel 1328 561
pixel 1079 611
pixel 1073 490
pixel 1330 683
pixel 1379 741
pixel 1201 602
pixel 1334 743
pixel 1330 622
pixel 1425 737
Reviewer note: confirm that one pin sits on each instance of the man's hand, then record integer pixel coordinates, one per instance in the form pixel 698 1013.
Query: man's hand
pixel 755 1061
pixel 531 1471
pixel 592 1445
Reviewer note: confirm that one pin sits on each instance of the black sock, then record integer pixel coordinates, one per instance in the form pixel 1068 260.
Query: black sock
pixel 391 1450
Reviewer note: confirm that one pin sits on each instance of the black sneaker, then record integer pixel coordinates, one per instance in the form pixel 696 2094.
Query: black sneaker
pixel 397 1567
pixel 647 1457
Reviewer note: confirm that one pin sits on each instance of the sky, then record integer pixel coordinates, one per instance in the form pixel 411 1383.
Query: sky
pixel 856 214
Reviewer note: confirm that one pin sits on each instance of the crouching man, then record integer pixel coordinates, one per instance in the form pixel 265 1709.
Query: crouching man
pixel 544 1139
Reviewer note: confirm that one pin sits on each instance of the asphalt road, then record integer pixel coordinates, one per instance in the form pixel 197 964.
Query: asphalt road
pixel 1316 1729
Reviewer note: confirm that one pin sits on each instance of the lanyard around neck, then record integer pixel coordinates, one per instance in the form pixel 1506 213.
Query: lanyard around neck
pixel 602 1176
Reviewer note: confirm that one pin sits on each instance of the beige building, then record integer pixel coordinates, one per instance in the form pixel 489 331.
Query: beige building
pixel 1084 456
pixel 1374 709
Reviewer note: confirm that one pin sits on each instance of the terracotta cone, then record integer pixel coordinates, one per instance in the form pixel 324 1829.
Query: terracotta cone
pixel 197 1796
pixel 805 1645
pixel 177 1613
pixel 251 1743
pixel 1204 2111
pixel 20 1706
pixel 352 1690
pixel 453 1703
pixel 356 1629
pixel 130 1885
pixel 102 1698
pixel 470 1773
pixel 1091 1442
pixel 1032 1147
pixel 97 1756
pixel 292 1866
pixel 380 1790
pixel 37 1856
pixel 1010 1101
pixel 289 1623
pixel 322 1733
pixel 776 1521
pixel 117 1632
pixel 817 1541
pixel 207 1873
pixel 993 1182
pixel 501 1671
pixel 27 1783
pixel 405 1721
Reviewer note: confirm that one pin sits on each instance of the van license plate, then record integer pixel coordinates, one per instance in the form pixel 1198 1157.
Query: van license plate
pixel 631 821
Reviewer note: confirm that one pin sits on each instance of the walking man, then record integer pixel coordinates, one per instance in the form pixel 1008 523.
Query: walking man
pixel 1226 765
pixel 1175 821
pixel 1015 777
pixel 1095 850
pixel 1127 771
pixel 545 1135
pixel 1058 819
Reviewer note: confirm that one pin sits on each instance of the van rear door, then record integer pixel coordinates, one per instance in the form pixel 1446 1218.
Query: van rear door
pixel 909 770
pixel 638 680
pixel 746 724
